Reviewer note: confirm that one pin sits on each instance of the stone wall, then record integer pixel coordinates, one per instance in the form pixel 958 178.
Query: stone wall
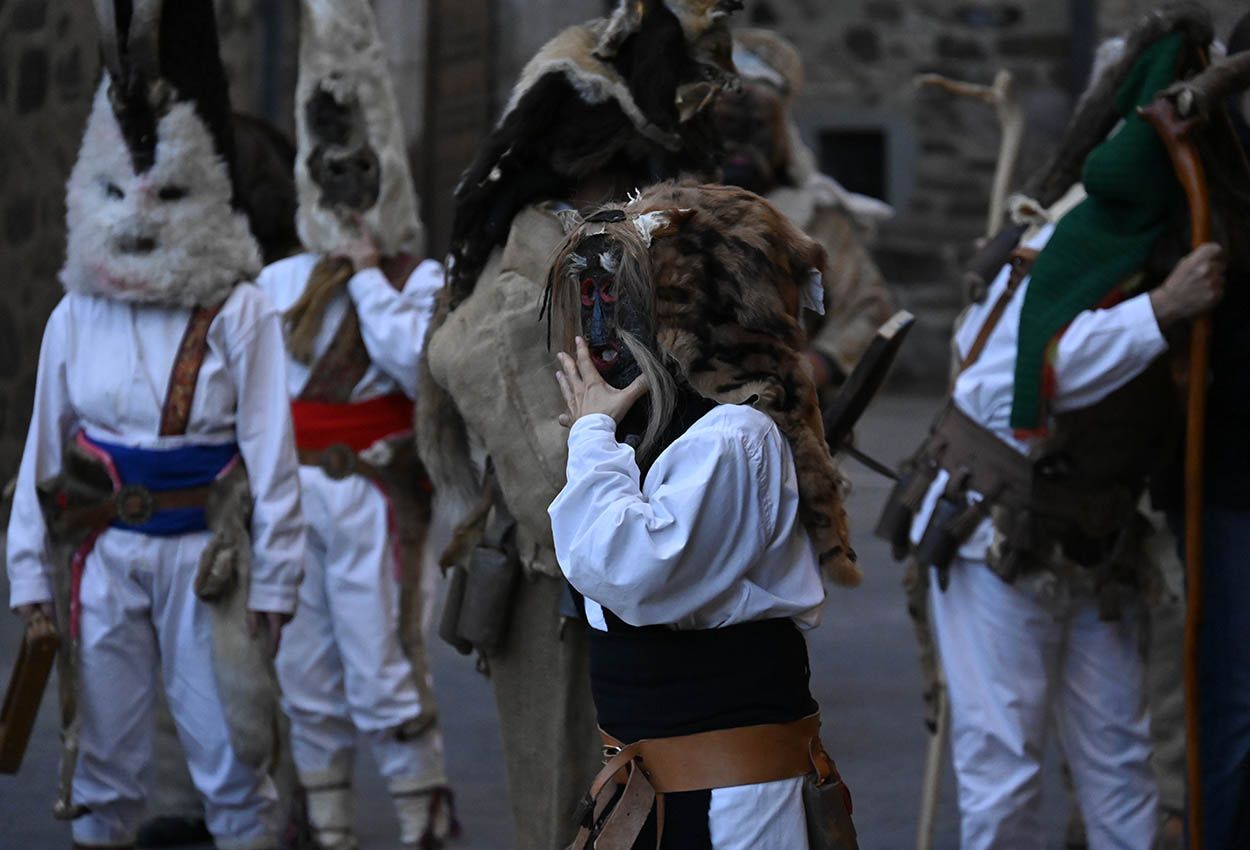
pixel 939 152
pixel 47 76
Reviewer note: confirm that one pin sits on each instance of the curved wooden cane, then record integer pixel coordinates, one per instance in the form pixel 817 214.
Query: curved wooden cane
pixel 1176 134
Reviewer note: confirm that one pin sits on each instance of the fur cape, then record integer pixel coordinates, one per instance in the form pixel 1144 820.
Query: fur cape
pixel 342 55
pixel 624 96
pixel 723 276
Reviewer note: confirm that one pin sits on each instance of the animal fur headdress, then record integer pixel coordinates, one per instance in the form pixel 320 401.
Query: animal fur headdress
pixel 627 94
pixel 151 208
pixel 352 160
pixel 720 276
pixel 763 55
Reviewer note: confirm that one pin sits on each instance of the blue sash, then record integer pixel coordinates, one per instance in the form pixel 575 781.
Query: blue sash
pixel 158 470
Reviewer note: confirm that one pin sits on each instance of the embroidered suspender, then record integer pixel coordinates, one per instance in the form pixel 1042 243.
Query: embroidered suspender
pixel 180 392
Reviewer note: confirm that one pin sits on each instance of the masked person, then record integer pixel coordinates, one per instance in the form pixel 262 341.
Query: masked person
pixel 156 410
pixel 264 169
pixel 357 307
pixel 764 153
pixel 1028 488
pixel 697 525
pixel 601 110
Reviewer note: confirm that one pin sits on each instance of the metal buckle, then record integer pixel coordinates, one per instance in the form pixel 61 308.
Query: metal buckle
pixel 610 752
pixel 134 504
pixel 338 461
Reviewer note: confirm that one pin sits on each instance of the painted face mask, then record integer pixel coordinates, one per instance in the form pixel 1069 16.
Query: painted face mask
pixel 607 310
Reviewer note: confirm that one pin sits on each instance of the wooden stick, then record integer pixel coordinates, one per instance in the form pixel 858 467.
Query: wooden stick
pixel 1002 96
pixel 1176 134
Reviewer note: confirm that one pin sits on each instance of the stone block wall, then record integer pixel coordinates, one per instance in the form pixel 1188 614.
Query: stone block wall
pixel 47 77
pixel 939 152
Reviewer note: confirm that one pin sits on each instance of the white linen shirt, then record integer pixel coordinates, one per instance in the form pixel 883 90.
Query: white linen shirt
pixel 393 322
pixel 713 537
pixel 104 367
pixel 1100 352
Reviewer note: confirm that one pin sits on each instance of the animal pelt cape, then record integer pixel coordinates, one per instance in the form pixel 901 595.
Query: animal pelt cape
pixel 341 54
pixel 627 94
pixel 723 275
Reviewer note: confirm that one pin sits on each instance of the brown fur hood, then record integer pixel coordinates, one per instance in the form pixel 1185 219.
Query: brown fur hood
pixel 725 276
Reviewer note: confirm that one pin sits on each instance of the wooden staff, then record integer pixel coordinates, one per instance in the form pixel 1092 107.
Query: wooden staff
pixel 1175 115
pixel 1002 96
pixel 1177 136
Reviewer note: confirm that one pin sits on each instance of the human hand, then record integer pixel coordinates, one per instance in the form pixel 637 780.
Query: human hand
pixel 362 251
pixel 585 392
pixel 1193 288
pixel 273 622
pixel 26 612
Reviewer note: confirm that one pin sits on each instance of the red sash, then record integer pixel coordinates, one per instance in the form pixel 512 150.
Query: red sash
pixel 357 425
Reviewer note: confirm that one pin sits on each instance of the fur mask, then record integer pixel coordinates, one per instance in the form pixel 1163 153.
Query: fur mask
pixel 352 161
pixel 719 277
pixel 150 202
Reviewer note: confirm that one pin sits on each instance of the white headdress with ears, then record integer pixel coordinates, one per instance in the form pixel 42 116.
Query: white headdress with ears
pixel 341 55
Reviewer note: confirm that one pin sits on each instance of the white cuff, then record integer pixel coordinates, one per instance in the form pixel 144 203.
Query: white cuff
pixel 364 280
pixel 1141 316
pixel 29 590
pixel 278 598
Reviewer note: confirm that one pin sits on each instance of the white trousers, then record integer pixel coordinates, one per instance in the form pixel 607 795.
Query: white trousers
pixel 341 665
pixel 140 619
pixel 1013 666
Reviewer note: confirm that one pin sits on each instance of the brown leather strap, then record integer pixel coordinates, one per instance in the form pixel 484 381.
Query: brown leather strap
pixel 338 462
pixel 180 391
pixel 341 367
pixel 1022 260
pixel 133 505
pixel 723 758
pixel 344 364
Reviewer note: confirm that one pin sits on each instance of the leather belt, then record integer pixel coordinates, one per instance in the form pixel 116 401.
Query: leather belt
pixel 339 461
pixel 133 504
pixel 723 758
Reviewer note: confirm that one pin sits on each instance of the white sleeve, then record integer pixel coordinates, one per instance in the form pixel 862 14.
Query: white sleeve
pixel 394 323
pixel 1102 350
pixel 658 557
pixel 51 425
pixel 267 445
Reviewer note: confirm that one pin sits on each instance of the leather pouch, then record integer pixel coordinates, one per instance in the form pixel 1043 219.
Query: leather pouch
pixel 828 808
pixel 490 583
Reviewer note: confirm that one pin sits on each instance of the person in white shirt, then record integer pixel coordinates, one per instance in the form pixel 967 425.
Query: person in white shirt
pixel 685 527
pixel 157 400
pixel 358 305
pixel 1059 413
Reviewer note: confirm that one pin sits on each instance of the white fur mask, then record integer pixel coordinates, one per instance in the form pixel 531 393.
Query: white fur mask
pixel 167 236
pixel 342 56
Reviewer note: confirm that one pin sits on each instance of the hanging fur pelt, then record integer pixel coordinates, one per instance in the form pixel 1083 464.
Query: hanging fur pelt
pixel 625 96
pixel 720 276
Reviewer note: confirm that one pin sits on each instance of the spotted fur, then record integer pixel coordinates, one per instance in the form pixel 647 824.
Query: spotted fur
pixel 722 272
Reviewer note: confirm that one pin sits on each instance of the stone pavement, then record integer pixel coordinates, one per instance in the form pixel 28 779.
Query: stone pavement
pixel 864 674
